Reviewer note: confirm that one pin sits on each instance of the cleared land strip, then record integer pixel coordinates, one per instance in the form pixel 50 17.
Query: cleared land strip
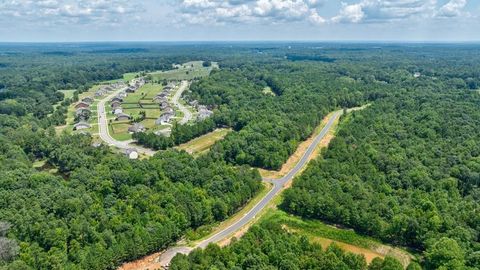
pixel 162 260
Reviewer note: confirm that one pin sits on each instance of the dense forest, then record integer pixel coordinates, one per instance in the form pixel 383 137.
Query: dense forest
pixel 404 170
pixel 268 246
pixel 109 208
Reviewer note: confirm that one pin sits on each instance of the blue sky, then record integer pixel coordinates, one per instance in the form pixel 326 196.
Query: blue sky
pixel 190 20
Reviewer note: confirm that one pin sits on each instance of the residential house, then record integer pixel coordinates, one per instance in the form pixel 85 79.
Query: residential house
pixel 122 117
pixel 81 125
pixel 116 98
pixel 122 95
pixel 116 104
pixel 82 104
pixel 194 103
pixel 136 127
pixel 203 113
pixel 165 118
pixel 88 100
pixel 159 99
pixel 164 105
pixel 80 111
pixel 169 109
pixel 100 92
pixel 131 89
pixel 117 111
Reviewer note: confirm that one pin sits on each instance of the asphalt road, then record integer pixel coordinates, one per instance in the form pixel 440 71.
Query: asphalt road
pixel 278 185
pixel 187 115
pixel 104 133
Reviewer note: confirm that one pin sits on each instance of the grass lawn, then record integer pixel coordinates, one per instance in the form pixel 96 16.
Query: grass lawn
pixel 119 131
pixel 67 93
pixel 203 143
pixel 130 76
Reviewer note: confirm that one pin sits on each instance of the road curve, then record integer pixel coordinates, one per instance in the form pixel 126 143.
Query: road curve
pixel 104 133
pixel 278 185
pixel 187 115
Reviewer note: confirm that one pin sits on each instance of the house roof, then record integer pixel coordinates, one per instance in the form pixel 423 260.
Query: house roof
pixel 82 103
pixel 136 127
pixel 81 124
pixel 122 115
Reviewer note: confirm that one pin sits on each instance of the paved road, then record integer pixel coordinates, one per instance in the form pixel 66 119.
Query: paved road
pixel 278 185
pixel 187 115
pixel 104 133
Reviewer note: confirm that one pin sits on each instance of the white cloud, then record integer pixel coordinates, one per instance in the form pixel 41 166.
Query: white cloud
pixel 453 8
pixel 350 13
pixel 64 12
pixel 385 10
pixel 259 11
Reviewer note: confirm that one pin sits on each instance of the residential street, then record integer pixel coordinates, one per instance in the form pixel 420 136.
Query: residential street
pixel 187 115
pixel 103 131
pixel 278 184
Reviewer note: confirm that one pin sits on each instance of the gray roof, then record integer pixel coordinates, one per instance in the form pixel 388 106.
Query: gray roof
pixel 136 127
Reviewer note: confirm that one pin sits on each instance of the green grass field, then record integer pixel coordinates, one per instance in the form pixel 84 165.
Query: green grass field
pixel 186 71
pixel 203 143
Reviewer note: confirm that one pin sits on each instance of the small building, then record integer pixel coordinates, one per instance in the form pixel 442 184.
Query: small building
pixel 116 104
pixel 417 74
pixel 81 111
pixel 165 118
pixel 136 127
pixel 193 103
pixel 159 99
pixel 168 109
pixel 88 100
pixel 122 117
pixel 164 105
pixel 131 153
pixel 203 113
pixel 81 125
pixel 131 89
pixel 122 95
pixel 116 98
pixel 82 104
pixel 117 111
pixel 108 88
pixel 100 92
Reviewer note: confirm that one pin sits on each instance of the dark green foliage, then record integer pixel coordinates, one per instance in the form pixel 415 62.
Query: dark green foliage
pixel 268 246
pixel 404 170
pixel 109 209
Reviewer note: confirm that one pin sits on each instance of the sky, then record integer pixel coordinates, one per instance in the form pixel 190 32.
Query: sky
pixel 239 20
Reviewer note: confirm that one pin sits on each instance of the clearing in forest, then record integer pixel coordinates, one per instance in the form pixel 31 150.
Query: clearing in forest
pixel 203 143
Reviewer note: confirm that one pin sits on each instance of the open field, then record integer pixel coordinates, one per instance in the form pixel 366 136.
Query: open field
pixel 119 131
pixel 67 93
pixel 203 143
pixel 186 71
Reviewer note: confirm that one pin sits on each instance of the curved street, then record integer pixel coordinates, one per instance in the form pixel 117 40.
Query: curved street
pixel 278 184
pixel 104 133
pixel 187 115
